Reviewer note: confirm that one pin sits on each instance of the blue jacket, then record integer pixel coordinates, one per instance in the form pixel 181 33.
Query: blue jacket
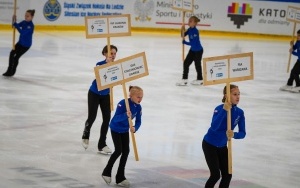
pixel 194 39
pixel 94 87
pixel 216 134
pixel 26 31
pixel 119 123
pixel 296 49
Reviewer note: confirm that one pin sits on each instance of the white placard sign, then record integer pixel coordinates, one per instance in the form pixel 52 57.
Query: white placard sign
pixel 293 14
pixel 107 26
pixel 228 68
pixel 183 5
pixel 97 26
pixel 133 67
pixel 217 70
pixel 240 67
pixel 120 71
pixel 118 25
pixel 111 74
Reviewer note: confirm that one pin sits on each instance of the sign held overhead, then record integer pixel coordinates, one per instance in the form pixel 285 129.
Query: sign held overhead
pixel 107 26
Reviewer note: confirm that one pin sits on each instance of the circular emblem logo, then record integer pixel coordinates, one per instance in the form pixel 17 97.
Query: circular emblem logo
pixel 52 10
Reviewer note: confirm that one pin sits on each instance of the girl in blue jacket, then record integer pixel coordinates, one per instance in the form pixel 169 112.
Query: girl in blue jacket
pixel 214 144
pixel 119 126
pixel 25 28
pixel 99 98
pixel 295 72
pixel 195 53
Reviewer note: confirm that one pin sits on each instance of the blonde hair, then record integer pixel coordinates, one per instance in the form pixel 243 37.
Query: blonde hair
pixel 134 90
pixel 225 89
pixel 195 18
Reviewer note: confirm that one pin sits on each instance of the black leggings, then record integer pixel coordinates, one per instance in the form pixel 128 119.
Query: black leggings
pixel 295 72
pixel 121 143
pixel 196 57
pixel 217 160
pixel 94 101
pixel 14 57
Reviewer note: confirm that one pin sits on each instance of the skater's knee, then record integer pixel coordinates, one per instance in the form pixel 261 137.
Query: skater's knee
pixel 117 152
pixel 106 119
pixel 215 177
pixel 227 177
pixel 125 151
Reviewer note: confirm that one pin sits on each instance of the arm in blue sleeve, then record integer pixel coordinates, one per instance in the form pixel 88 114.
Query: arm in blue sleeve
pixel 185 42
pixel 242 128
pixel 17 26
pixel 138 120
pixel 186 33
pixel 120 114
pixel 218 118
pixel 23 31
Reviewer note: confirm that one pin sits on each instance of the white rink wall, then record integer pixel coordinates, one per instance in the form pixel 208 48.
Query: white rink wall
pixel 267 17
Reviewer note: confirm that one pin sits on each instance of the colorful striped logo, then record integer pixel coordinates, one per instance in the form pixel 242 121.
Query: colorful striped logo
pixel 239 14
pixel 245 9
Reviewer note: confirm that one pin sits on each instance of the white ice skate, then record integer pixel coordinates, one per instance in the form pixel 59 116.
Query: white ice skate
pixel 182 82
pixel 85 143
pixel 197 82
pixel 107 179
pixel 295 90
pixel 124 183
pixel 285 88
pixel 105 150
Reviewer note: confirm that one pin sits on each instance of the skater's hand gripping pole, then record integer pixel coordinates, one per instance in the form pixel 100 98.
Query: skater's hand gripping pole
pixel 290 55
pixel 229 141
pixel 182 34
pixel 130 123
pixel 13 21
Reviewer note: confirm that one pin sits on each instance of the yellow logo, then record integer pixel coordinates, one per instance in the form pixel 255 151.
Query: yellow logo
pixel 52 10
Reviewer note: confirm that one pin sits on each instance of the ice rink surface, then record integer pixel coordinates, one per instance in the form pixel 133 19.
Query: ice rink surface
pixel 44 106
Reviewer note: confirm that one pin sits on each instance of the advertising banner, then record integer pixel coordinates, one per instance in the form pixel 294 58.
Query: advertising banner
pixel 245 16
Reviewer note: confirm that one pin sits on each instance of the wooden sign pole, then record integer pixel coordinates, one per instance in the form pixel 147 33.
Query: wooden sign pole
pixel 290 55
pixel 130 123
pixel 111 98
pixel 14 29
pixel 229 141
pixel 182 34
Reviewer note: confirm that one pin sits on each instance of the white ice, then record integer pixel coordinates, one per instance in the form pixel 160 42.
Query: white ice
pixel 44 106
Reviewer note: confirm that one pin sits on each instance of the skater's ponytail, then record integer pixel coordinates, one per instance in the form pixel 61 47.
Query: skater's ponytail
pixel 31 12
pixel 224 91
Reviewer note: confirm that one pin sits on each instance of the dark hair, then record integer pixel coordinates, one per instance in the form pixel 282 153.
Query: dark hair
pixel 31 12
pixel 225 89
pixel 298 32
pixel 195 18
pixel 104 51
